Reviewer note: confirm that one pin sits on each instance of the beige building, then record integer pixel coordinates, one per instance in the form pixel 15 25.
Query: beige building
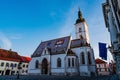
pixel 102 67
pixel 10 61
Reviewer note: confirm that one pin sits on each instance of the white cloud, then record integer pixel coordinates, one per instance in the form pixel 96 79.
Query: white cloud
pixel 16 36
pixel 5 41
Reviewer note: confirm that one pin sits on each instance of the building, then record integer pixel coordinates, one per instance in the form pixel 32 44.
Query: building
pixel 10 61
pixel 102 67
pixel 111 12
pixel 65 56
pixel 25 63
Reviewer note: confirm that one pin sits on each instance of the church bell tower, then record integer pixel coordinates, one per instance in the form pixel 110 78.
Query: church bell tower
pixel 81 28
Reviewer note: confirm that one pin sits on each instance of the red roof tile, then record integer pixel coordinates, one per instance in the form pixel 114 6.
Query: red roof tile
pixel 25 59
pixel 12 56
pixel 99 61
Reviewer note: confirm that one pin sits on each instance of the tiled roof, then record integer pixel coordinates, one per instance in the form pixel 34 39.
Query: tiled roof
pixel 9 59
pixel 25 59
pixel 12 56
pixel 9 54
pixel 100 61
pixel 78 43
pixel 56 46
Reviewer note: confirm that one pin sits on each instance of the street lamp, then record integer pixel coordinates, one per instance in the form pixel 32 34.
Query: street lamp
pixel 19 67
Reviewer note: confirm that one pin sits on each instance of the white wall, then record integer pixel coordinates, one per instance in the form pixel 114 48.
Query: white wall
pixel 54 67
pixel 31 67
pixel 84 31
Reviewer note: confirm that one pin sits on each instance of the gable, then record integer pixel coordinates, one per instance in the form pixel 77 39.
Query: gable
pixel 45 51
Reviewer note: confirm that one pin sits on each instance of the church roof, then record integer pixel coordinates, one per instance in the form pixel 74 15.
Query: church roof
pixel 55 46
pixel 78 43
pixel 80 18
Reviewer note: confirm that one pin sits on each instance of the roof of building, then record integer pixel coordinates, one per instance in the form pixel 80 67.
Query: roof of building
pixel 25 59
pixel 59 45
pixel 100 61
pixel 78 43
pixel 10 55
pixel 80 18
pixel 55 46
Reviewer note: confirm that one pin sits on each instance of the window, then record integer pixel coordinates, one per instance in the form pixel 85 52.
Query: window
pixel 58 62
pixel 68 62
pixel 15 65
pixel 23 65
pixel 82 58
pixel 37 64
pixel 12 65
pixel 80 30
pixel 89 58
pixel 72 62
pixel 22 71
pixel 7 64
pixel 2 64
pixel 26 66
pixel 26 71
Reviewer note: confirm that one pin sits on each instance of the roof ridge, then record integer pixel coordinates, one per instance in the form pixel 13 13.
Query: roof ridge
pixel 54 39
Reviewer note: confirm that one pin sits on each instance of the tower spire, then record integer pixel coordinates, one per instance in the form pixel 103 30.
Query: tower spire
pixel 81 28
pixel 80 18
pixel 79 14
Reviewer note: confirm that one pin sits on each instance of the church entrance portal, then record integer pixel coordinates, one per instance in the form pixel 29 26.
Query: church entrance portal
pixel 44 66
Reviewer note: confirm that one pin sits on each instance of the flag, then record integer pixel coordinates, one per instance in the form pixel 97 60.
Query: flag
pixel 103 51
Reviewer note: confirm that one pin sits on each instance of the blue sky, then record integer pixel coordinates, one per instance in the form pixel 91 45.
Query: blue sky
pixel 25 23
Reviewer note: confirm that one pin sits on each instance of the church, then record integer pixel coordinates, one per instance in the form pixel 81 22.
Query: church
pixel 65 55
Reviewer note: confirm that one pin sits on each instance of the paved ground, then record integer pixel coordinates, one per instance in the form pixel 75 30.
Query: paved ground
pixel 45 77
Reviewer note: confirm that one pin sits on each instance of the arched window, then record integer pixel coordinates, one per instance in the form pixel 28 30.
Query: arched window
pixel 58 62
pixel 82 58
pixel 89 58
pixel 73 62
pixel 80 30
pixel 37 64
pixel 68 62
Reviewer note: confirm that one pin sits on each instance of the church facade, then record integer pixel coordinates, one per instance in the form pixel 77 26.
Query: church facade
pixel 65 56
